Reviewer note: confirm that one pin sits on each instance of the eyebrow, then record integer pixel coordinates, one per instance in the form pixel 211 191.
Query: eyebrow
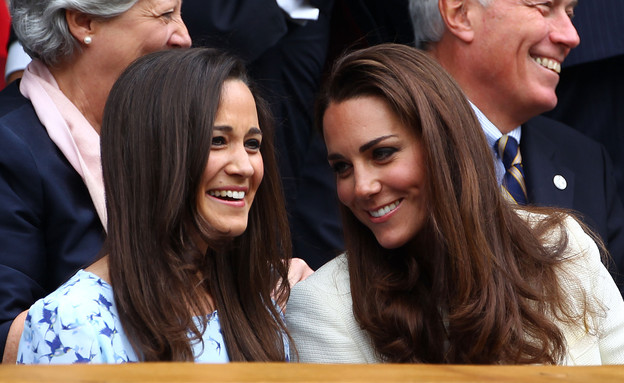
pixel 254 131
pixel 363 148
pixel 229 129
pixel 374 142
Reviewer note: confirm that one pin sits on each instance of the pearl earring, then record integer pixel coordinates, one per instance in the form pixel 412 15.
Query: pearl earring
pixel 87 40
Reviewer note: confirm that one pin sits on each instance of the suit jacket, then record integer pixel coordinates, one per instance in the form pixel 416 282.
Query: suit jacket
pixel 590 88
pixel 48 225
pixel 247 27
pixel 321 321
pixel 551 149
pixel 5 27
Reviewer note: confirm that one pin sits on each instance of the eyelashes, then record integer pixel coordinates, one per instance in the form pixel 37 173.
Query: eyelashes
pixel 379 156
pixel 252 144
pixel 383 153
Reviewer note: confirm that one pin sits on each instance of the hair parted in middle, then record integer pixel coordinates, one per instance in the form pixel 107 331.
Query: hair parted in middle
pixel 477 284
pixel 156 139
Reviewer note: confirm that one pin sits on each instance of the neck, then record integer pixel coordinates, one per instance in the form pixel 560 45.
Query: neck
pixel 100 268
pixel 84 90
pixel 502 121
pixel 453 58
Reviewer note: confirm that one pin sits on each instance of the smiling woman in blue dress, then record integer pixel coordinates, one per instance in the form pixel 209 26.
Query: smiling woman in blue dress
pixel 52 213
pixel 197 236
pixel 439 268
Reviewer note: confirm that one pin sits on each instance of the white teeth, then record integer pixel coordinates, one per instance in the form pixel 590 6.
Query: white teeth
pixel 384 210
pixel 227 193
pixel 553 65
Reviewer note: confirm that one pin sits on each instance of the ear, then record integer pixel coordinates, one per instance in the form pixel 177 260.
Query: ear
pixel 455 14
pixel 80 24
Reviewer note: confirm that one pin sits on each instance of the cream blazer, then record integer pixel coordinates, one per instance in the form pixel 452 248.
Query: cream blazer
pixel 320 318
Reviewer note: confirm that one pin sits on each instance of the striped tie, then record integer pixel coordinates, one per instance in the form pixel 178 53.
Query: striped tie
pixel 513 185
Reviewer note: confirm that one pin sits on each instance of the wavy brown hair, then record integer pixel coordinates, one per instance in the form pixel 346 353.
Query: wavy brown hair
pixel 478 284
pixel 156 139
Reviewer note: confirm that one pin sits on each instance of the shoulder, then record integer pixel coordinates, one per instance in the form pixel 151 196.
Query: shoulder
pixel 542 132
pixel 83 299
pixel 579 242
pixel 327 289
pixel 332 277
pixel 21 133
pixel 77 323
pixel 320 319
pixel 541 127
pixel 11 99
pixel 16 110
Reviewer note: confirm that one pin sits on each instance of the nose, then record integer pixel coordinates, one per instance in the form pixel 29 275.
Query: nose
pixel 366 183
pixel 180 37
pixel 564 32
pixel 240 164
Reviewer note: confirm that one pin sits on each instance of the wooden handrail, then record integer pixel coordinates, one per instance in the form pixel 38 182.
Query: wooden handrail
pixel 299 372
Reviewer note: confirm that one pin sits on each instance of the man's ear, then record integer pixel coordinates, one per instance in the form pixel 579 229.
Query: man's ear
pixel 80 24
pixel 455 14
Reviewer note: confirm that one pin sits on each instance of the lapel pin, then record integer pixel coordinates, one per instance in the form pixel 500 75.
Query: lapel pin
pixel 560 182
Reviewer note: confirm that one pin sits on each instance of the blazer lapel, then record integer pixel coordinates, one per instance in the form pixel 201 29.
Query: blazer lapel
pixel 549 183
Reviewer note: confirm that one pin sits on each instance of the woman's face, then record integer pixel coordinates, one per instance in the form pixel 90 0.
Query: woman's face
pixel 379 166
pixel 149 26
pixel 235 167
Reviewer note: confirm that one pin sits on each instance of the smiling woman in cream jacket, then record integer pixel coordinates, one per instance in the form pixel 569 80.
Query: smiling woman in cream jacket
pixel 439 266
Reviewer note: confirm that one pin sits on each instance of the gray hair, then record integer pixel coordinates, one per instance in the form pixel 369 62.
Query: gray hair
pixel 42 29
pixel 427 21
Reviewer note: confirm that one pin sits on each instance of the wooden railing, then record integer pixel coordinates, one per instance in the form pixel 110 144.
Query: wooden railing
pixel 294 372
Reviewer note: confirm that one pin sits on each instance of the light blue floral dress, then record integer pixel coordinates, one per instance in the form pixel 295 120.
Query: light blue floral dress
pixel 78 323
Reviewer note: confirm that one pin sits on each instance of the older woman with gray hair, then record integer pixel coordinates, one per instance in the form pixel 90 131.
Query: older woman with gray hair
pixel 52 214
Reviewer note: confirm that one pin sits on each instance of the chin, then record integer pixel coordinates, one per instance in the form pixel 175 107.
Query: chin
pixel 236 232
pixel 546 102
pixel 390 243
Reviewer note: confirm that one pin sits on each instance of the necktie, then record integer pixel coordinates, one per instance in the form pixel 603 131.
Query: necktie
pixel 513 185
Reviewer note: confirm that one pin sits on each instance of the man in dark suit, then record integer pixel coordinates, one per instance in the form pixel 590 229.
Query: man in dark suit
pixel 591 89
pixel 506 55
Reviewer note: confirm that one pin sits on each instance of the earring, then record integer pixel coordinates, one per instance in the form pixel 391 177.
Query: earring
pixel 87 40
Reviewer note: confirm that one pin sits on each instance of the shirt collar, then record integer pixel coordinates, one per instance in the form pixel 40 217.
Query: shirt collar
pixel 491 131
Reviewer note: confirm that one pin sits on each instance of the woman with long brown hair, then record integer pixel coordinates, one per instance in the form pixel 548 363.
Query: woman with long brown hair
pixel 197 232
pixel 52 210
pixel 439 267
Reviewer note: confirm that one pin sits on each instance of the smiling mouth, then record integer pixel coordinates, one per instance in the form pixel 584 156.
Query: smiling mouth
pixel 551 64
pixel 385 209
pixel 227 195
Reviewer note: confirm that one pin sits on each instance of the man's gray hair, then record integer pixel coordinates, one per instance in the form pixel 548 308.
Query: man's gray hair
pixel 427 22
pixel 41 26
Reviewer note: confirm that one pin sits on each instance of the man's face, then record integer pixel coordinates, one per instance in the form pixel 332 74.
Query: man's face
pixel 517 52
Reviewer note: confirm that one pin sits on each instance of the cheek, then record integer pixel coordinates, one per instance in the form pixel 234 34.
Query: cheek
pixel 155 39
pixel 344 190
pixel 407 174
pixel 258 166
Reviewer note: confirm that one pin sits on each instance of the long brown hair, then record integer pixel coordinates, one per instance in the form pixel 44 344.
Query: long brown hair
pixel 156 138
pixel 480 286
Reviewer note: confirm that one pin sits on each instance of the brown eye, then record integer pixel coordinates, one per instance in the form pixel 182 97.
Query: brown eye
pixel 340 168
pixel 380 154
pixel 218 141
pixel 253 144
